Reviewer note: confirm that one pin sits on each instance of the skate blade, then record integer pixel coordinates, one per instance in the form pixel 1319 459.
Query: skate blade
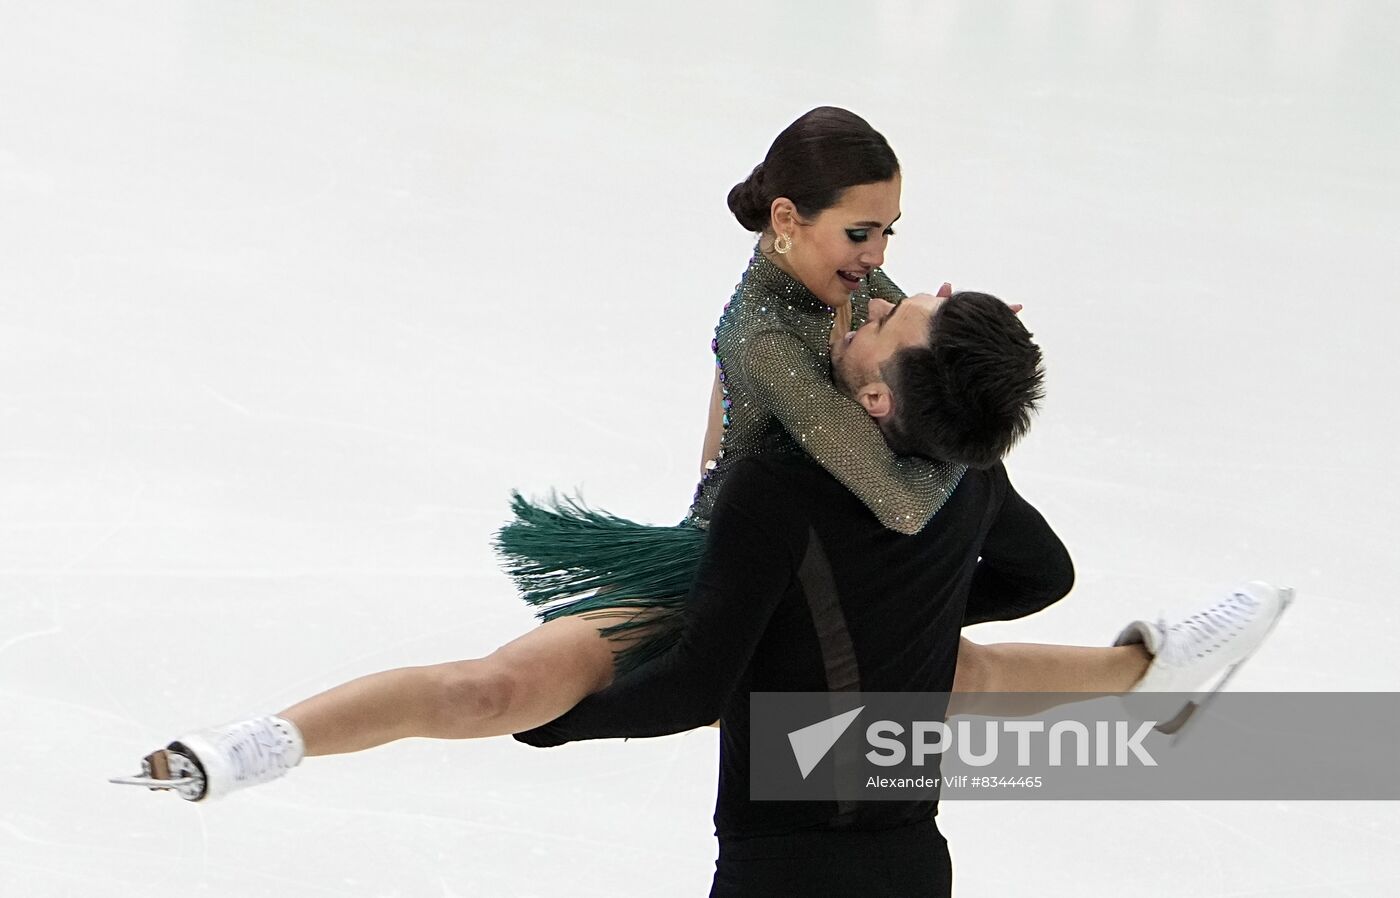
pixel 1176 727
pixel 167 770
pixel 151 782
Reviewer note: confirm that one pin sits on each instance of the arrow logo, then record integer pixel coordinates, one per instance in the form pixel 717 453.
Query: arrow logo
pixel 811 743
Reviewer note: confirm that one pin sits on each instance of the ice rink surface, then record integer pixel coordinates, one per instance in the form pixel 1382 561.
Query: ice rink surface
pixel 292 295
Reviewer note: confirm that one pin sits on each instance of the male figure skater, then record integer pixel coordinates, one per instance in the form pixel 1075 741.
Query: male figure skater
pixel 803 590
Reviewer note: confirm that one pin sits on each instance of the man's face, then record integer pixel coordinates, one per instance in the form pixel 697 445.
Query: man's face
pixel 857 358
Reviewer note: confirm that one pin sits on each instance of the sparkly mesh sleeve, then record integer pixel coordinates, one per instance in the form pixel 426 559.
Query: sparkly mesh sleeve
pixel 879 285
pixel 794 385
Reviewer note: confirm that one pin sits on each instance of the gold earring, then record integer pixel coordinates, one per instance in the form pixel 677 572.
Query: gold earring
pixel 782 244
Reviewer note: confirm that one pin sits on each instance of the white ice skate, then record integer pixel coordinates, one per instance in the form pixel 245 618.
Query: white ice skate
pixel 214 762
pixel 1189 653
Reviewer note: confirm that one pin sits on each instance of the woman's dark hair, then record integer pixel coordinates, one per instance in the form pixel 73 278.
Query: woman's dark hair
pixel 812 163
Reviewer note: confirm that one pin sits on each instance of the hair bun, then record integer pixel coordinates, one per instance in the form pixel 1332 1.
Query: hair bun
pixel 749 203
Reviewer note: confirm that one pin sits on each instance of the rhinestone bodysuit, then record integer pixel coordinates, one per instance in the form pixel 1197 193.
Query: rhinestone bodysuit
pixel 771 346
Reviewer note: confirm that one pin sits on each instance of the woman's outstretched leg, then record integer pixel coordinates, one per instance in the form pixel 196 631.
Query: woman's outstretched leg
pixel 525 683
pixel 1033 667
pixel 1151 657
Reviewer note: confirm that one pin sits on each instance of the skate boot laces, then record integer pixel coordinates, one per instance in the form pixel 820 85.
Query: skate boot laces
pixel 256 751
pixel 1206 632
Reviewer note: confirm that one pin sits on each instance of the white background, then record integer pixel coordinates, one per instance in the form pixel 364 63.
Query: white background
pixel 291 295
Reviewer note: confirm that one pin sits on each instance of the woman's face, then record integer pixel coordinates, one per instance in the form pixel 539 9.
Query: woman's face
pixel 833 251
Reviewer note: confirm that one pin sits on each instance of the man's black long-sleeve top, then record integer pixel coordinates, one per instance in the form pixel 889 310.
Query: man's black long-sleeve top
pixel 802 590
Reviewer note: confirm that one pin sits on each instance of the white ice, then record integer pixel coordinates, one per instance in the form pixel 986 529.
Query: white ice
pixel 292 295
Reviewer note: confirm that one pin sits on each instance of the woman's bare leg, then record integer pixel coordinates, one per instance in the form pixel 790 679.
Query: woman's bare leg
pixel 523 684
pixel 1033 667
pixel 1022 667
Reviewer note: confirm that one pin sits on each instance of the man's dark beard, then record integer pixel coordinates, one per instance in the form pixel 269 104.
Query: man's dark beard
pixel 840 381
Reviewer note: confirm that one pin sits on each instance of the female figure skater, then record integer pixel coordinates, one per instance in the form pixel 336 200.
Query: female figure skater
pixel 823 201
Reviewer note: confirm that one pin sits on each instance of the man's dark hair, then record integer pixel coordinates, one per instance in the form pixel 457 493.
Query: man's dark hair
pixel 966 396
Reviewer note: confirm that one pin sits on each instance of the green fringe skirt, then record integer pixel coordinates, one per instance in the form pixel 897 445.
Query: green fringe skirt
pixel 567 559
